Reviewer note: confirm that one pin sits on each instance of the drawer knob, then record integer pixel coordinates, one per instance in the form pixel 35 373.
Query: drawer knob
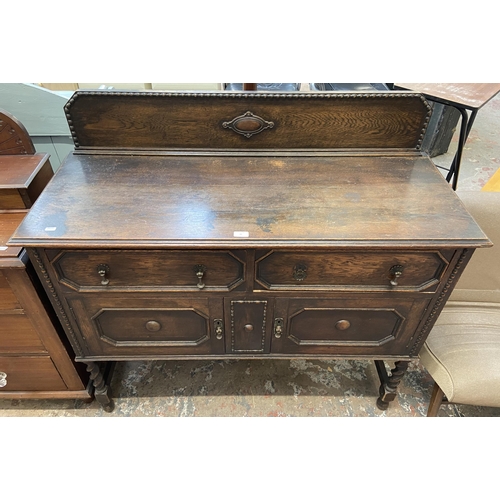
pixel 102 270
pixel 200 270
pixel 343 324
pixel 153 326
pixel 248 328
pixel 300 272
pixel 3 379
pixel 395 274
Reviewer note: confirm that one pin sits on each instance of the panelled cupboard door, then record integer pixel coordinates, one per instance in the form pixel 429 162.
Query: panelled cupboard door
pixel 248 325
pixel 365 327
pixel 134 326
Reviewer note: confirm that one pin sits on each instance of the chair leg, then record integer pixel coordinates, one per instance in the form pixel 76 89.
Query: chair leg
pixel 435 402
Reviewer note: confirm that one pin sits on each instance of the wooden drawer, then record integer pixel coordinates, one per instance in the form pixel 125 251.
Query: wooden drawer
pixel 22 179
pixel 346 326
pixel 133 326
pixel 17 334
pixel 150 270
pixel 29 373
pixel 11 199
pixel 369 271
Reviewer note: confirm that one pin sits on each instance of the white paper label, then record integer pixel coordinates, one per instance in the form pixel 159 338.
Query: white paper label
pixel 241 234
pixel 3 248
pixel 50 228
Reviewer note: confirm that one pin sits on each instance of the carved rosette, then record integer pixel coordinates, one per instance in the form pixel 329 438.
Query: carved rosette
pixel 248 124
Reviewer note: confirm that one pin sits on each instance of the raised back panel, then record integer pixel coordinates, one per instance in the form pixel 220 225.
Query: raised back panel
pixel 114 120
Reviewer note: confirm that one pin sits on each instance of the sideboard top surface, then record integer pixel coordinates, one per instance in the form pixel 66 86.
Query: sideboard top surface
pixel 168 201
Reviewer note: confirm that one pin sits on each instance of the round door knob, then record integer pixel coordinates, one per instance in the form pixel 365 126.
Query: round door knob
pixel 343 324
pixel 153 326
pixel 248 328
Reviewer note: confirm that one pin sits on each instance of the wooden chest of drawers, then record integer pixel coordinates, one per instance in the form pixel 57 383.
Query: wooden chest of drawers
pixel 36 359
pixel 248 225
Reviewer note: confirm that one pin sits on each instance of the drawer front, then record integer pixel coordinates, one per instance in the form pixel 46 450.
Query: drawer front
pixel 346 326
pixel 128 270
pixel 17 334
pixel 11 199
pixel 289 270
pixel 135 326
pixel 29 373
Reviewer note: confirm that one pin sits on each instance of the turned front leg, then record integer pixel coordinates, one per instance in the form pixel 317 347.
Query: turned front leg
pixel 389 383
pixel 101 389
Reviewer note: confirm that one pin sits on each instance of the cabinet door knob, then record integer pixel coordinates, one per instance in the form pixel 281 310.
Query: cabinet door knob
pixel 153 326
pixel 248 328
pixel 3 379
pixel 102 270
pixel 343 324
pixel 200 270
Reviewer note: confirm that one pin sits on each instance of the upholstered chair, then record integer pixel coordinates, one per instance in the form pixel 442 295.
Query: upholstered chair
pixel 462 352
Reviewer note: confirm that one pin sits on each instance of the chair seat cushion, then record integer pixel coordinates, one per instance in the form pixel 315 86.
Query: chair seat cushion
pixel 462 353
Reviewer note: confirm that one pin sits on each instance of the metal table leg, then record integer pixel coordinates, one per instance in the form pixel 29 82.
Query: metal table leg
pixel 465 129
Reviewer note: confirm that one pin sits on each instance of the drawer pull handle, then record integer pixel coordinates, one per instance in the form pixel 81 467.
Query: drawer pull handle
pixel 102 270
pixel 218 329
pixel 343 324
pixel 200 271
pixel 153 326
pixel 395 274
pixel 248 328
pixel 278 327
pixel 3 379
pixel 300 272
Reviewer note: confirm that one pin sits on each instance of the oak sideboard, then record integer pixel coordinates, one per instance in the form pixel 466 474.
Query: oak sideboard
pixel 248 225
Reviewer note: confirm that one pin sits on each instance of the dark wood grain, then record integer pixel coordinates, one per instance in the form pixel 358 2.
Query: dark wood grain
pixel 301 226
pixel 115 325
pixel 370 270
pixel 248 326
pixel 150 270
pixel 377 325
pixel 127 201
pixel 329 120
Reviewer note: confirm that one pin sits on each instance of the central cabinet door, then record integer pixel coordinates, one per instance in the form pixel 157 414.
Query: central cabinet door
pixel 248 329
pixel 132 326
